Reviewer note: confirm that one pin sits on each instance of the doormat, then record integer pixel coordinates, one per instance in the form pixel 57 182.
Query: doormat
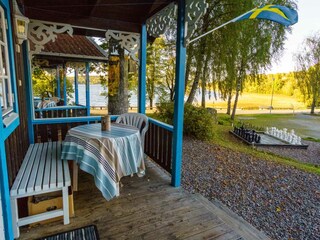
pixel 84 233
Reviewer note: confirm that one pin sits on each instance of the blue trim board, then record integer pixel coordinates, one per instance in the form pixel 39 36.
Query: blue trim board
pixel 5 193
pixel 58 82
pixel 76 86
pixel 179 97
pixel 9 129
pixel 65 85
pixel 142 71
pixel 66 120
pixel 29 94
pixel 4 182
pixel 11 59
pixel 70 120
pixel 161 124
pixel 88 88
pixel 68 107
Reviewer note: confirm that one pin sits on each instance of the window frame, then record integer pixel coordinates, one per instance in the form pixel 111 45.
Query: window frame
pixel 10 116
pixel 5 77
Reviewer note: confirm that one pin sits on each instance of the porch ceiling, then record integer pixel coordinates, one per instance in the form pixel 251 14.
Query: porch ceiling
pixel 123 15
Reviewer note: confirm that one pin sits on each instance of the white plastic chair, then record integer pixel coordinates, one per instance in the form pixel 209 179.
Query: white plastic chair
pixel 137 120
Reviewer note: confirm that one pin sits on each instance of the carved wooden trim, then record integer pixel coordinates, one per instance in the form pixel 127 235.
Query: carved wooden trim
pixel 41 33
pixel 127 40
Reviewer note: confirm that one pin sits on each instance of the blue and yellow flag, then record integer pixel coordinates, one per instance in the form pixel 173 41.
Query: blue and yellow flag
pixel 280 14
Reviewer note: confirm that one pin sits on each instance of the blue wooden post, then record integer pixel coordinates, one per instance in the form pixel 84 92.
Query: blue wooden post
pixel 142 70
pixel 29 93
pixel 179 98
pixel 58 82
pixel 4 187
pixel 5 193
pixel 65 85
pixel 87 88
pixel 76 89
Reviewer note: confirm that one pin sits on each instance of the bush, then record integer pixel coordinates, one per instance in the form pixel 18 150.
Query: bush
pixel 198 122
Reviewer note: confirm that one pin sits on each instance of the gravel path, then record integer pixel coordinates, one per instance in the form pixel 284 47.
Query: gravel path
pixel 280 200
pixel 310 155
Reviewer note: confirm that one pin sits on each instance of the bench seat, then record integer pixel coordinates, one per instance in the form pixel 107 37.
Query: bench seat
pixel 42 171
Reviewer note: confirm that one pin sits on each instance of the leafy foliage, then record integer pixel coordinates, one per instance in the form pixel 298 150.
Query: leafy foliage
pixel 45 85
pixel 198 122
pixel 308 71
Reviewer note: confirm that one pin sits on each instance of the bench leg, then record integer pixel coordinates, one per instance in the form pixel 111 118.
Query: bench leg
pixel 15 217
pixel 65 199
pixel 75 170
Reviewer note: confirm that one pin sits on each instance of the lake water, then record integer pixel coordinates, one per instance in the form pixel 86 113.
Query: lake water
pixel 96 99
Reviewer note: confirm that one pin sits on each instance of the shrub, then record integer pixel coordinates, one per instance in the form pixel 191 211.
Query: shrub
pixel 198 122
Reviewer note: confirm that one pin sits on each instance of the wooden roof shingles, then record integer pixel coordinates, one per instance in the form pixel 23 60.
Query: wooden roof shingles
pixel 68 48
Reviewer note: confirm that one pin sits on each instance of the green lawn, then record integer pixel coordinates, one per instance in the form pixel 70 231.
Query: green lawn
pixel 256 101
pixel 225 139
pixel 305 125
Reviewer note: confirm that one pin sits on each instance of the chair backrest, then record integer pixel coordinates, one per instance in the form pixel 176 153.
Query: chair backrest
pixel 137 120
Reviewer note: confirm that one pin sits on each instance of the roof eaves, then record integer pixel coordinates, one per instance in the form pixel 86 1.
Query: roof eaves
pixel 98 47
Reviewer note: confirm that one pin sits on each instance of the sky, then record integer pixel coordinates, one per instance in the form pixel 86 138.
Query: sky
pixel 308 24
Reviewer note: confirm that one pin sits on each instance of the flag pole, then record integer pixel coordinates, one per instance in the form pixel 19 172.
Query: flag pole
pixel 212 30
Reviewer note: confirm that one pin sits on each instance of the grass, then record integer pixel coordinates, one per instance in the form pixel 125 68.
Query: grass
pixel 306 127
pixel 223 138
pixel 257 101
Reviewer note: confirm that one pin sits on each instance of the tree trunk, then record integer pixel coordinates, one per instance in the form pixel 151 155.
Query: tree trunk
pixel 188 67
pixel 118 98
pixel 229 102
pixel 198 71
pixel 204 83
pixel 151 103
pixel 236 99
pixel 313 104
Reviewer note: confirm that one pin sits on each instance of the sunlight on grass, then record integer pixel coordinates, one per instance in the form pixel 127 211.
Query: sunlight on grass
pixel 257 101
pixel 223 138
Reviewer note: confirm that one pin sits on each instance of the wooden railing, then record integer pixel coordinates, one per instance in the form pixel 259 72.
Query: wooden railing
pixel 63 111
pixel 158 138
pixel 158 143
pixel 55 129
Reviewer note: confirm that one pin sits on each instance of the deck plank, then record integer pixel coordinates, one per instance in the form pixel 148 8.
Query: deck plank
pixel 147 208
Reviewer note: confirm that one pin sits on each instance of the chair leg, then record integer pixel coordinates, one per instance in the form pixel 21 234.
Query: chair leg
pixel 65 199
pixel 15 217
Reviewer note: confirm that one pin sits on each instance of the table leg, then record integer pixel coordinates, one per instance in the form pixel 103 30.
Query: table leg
pixel 118 190
pixel 65 202
pixel 75 170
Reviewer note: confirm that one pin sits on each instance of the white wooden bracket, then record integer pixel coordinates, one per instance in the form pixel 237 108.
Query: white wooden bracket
pixel 158 23
pixel 127 40
pixel 40 33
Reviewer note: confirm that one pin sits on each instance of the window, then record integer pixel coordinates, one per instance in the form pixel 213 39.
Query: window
pixel 5 81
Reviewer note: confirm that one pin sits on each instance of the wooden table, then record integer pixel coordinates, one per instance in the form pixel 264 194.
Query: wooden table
pixel 106 155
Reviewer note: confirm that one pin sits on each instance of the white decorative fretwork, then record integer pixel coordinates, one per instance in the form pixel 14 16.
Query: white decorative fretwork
pixel 41 33
pixel 39 63
pixel 81 66
pixel 157 24
pixel 195 9
pixel 127 40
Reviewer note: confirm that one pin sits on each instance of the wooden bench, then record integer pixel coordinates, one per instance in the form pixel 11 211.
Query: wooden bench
pixel 42 171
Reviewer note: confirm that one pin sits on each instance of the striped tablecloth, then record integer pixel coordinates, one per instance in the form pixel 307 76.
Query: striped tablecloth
pixel 107 155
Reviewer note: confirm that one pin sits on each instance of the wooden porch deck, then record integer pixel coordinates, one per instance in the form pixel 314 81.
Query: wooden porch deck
pixel 148 208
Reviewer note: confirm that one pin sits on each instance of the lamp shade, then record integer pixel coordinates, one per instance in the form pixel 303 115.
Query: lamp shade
pixel 21 24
